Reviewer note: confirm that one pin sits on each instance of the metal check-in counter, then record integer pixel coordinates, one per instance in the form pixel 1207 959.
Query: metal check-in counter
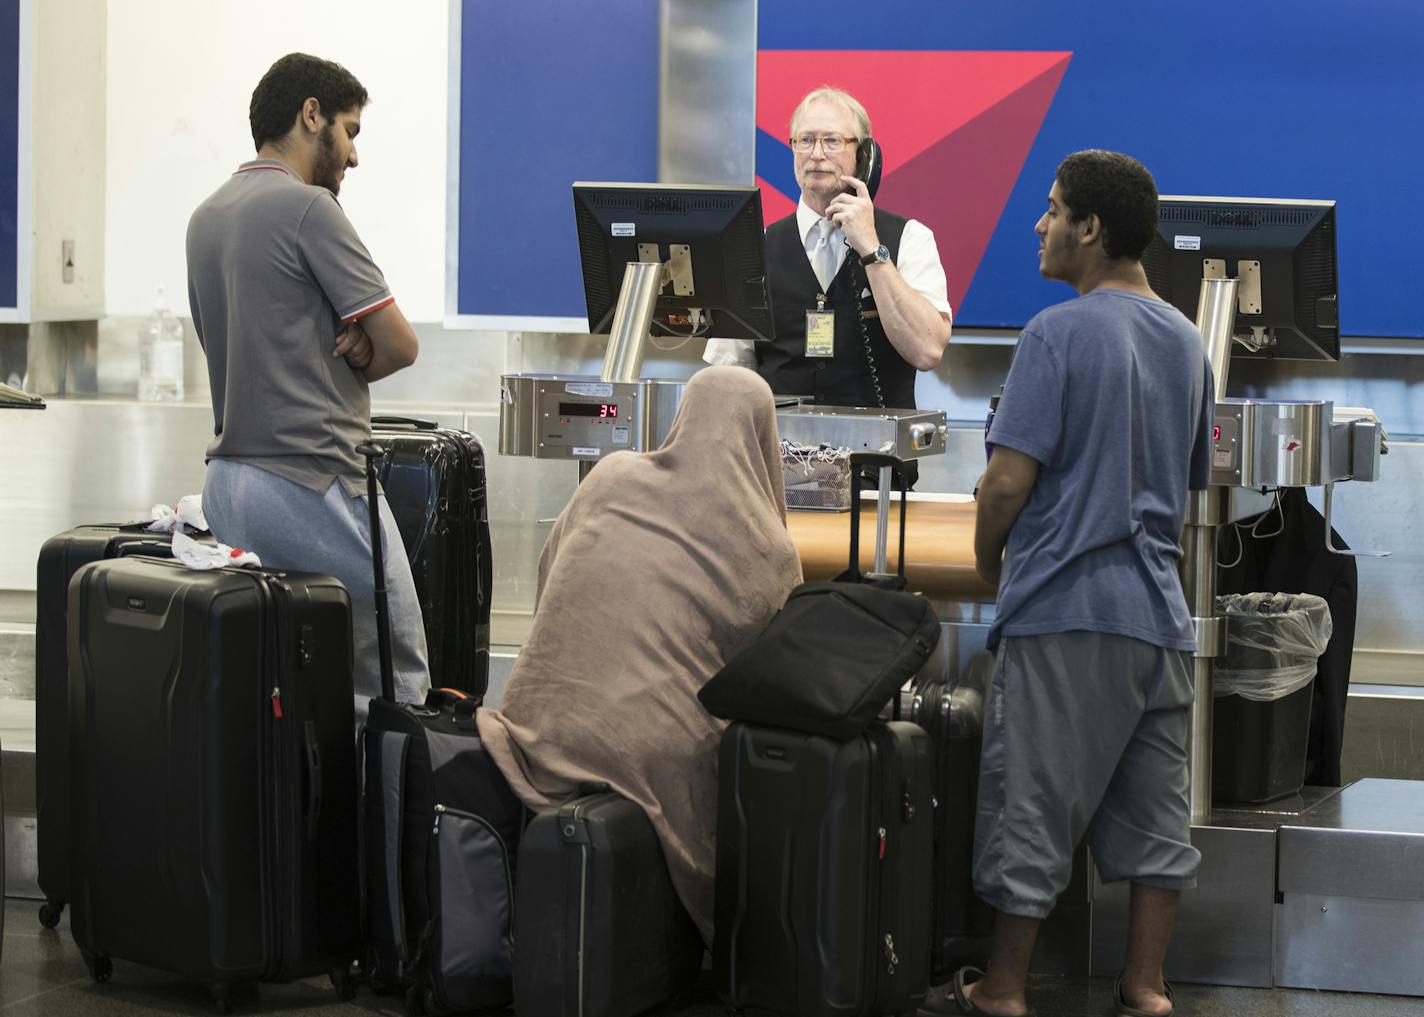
pixel 582 418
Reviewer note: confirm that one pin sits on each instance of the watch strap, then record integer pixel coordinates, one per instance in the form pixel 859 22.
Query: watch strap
pixel 880 254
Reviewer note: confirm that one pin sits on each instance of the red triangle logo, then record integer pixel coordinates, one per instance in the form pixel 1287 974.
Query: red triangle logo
pixel 956 128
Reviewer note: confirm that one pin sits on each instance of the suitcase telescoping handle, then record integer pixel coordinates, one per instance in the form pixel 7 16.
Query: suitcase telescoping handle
pixel 372 453
pixel 896 468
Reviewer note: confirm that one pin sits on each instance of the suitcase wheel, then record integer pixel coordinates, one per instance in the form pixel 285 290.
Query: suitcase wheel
pixel 50 911
pixel 344 982
pixel 222 997
pixel 101 969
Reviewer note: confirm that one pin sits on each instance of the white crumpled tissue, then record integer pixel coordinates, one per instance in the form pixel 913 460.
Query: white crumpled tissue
pixel 188 512
pixel 209 556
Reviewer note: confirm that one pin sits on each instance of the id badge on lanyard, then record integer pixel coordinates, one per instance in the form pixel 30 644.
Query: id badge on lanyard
pixel 820 330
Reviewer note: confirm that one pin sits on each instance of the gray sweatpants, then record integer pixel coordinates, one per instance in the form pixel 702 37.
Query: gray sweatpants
pixel 1084 733
pixel 291 527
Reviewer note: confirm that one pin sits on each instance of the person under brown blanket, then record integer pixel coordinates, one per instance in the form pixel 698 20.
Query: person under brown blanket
pixel 663 566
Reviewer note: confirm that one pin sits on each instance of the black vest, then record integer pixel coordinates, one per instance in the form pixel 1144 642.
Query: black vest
pixel 845 379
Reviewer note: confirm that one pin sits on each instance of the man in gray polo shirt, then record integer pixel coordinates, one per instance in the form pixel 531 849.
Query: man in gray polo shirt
pixel 1103 428
pixel 296 321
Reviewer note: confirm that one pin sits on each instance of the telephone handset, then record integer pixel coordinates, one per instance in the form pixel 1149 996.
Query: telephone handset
pixel 867 166
pixel 867 170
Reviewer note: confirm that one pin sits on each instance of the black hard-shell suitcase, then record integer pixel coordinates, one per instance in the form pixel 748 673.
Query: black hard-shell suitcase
pixel 61 557
pixel 953 716
pixel 441 832
pixel 824 851
pixel 600 928
pixel 434 481
pixel 213 772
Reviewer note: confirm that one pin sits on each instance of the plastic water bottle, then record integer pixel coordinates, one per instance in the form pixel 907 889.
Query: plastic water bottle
pixel 160 354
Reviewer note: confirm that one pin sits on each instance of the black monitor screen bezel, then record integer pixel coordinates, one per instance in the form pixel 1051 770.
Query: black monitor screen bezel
pixel 722 224
pixel 1295 242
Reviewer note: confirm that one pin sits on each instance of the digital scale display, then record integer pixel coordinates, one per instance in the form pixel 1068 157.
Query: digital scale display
pixel 606 411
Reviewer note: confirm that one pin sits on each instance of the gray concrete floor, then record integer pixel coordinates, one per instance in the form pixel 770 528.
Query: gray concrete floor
pixel 42 974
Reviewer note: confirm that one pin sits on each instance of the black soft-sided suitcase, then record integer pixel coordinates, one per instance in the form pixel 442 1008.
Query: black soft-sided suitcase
pixel 61 557
pixel 600 928
pixel 441 834
pixel 213 772
pixel 953 716
pixel 434 481
pixel 824 851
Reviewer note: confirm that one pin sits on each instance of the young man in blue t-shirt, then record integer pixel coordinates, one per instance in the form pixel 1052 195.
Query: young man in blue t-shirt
pixel 1102 429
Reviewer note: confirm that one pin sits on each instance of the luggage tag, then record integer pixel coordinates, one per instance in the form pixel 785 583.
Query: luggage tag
pixel 820 330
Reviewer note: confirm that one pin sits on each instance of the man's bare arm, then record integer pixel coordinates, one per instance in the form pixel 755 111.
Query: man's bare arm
pixel 916 329
pixel 1002 495
pixel 393 342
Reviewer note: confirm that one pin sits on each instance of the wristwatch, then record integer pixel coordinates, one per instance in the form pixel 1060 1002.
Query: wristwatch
pixel 879 256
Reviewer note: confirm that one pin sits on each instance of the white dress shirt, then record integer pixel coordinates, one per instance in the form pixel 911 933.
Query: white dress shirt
pixel 918 263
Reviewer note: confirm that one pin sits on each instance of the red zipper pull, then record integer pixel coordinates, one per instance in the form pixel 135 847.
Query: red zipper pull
pixel 277 712
pixel 882 843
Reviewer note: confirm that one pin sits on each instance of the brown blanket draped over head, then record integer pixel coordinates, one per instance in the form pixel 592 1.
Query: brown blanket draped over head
pixel 662 567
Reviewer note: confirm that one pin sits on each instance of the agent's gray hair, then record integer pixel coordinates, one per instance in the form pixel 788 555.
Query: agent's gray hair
pixel 829 93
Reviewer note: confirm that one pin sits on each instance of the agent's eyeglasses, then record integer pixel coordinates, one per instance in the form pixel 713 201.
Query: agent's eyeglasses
pixel 830 143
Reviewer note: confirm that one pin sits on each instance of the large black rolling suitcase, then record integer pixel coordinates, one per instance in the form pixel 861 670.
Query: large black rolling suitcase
pixel 213 772
pixel 441 832
pixel 434 481
pixel 600 928
pixel 61 557
pixel 953 716
pixel 824 851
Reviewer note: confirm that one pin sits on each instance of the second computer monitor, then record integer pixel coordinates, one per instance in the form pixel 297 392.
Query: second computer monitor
pixel 709 236
pixel 1282 254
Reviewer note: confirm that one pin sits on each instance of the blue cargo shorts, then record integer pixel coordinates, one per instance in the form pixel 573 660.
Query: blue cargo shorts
pixel 1085 733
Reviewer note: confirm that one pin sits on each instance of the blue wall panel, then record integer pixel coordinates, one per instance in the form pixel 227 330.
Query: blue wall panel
pixel 551 91
pixel 9 150
pixel 1308 99
pixel 1311 99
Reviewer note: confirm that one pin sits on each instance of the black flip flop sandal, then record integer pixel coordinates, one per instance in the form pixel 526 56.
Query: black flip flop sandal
pixel 1123 1010
pixel 966 976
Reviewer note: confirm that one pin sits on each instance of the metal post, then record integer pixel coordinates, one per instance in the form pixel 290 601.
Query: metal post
pixel 632 320
pixel 882 523
pixel 1204 513
pixel 1216 318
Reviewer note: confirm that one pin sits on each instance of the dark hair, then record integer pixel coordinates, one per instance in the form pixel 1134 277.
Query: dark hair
pixel 1119 191
pixel 290 82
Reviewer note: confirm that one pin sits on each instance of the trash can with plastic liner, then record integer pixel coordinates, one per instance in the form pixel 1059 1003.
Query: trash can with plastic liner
pixel 1263 691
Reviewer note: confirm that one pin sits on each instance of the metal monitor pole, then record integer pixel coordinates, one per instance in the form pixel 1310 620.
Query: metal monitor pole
pixel 1216 318
pixel 632 324
pixel 632 321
